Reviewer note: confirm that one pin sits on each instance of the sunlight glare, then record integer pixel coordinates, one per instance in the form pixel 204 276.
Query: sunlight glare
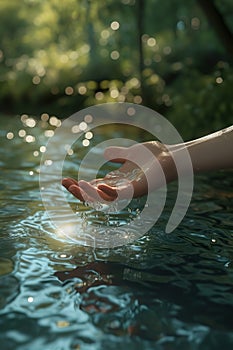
pixel 115 55
pixel 151 42
pixel 89 135
pixel 88 118
pixel 29 139
pixel 49 133
pixel 82 90
pixel 86 143
pixel 83 126
pixel 30 122
pixel 44 117
pixel 105 34
pixel 54 121
pixel 10 135
pixel 115 25
pixel 22 133
pixel 42 149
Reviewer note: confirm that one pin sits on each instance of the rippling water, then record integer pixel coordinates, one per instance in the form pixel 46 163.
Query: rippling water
pixel 164 291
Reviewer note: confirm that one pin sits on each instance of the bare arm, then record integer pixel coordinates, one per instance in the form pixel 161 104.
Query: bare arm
pixel 211 152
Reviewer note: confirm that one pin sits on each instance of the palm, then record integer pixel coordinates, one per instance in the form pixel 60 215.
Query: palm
pixel 139 162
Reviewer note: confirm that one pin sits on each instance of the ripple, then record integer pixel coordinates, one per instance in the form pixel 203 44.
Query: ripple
pixel 170 291
pixel 9 287
pixel 6 266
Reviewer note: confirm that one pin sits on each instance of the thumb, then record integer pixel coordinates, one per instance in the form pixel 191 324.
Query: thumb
pixel 116 154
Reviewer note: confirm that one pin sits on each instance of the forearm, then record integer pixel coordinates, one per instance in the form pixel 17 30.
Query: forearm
pixel 212 152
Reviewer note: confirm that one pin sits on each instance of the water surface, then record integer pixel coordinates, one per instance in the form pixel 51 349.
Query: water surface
pixel 163 291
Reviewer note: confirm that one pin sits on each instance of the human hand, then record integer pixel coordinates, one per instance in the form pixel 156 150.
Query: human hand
pixel 141 162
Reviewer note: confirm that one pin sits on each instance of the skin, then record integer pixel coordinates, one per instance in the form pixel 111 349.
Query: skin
pixel 211 152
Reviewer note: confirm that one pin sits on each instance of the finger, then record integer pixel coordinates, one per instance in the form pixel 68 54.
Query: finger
pixel 116 154
pixel 109 190
pixel 105 196
pixel 83 196
pixel 120 192
pixel 68 181
pixel 94 192
pixel 77 192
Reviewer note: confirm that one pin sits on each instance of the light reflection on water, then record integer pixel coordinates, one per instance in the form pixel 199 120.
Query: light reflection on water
pixel 164 291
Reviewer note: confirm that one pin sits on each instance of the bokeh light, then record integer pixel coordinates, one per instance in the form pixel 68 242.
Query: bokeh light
pixel 88 118
pixel 42 149
pixel 10 135
pixel 115 55
pixel 22 133
pixel 115 25
pixel 30 138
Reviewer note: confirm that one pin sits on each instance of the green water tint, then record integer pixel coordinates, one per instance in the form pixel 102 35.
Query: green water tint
pixel 164 291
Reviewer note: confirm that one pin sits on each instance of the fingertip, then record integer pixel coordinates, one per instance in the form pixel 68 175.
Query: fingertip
pixel 66 182
pixel 82 182
pixel 77 192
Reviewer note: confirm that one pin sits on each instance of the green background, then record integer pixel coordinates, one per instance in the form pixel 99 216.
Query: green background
pixel 174 56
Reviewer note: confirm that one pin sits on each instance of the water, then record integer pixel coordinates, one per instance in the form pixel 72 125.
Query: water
pixel 163 291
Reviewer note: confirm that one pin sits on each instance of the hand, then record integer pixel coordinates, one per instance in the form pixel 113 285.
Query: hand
pixel 140 162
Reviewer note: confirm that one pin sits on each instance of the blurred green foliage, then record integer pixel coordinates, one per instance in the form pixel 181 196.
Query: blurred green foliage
pixel 60 56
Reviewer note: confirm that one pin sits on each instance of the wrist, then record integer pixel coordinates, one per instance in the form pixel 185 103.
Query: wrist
pixel 165 155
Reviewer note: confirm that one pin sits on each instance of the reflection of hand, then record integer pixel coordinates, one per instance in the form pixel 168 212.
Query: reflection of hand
pixel 94 274
pixel 139 163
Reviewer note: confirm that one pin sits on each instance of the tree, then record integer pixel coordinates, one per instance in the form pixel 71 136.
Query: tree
pixel 219 24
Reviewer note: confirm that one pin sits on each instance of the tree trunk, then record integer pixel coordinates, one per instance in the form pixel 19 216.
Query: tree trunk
pixel 90 31
pixel 140 17
pixel 216 19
